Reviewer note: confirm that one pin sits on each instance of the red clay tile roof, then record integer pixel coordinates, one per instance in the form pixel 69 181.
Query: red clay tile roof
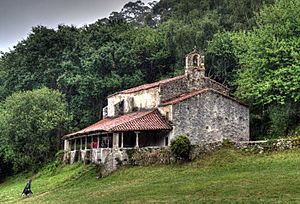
pixel 197 92
pixel 136 121
pixel 147 86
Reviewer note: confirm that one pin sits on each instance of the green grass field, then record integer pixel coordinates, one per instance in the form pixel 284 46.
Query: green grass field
pixel 225 176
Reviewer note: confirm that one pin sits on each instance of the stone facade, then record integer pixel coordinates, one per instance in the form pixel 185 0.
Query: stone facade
pixel 211 117
pixel 172 89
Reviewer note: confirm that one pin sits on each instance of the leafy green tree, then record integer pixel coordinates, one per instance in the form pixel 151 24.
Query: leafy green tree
pixel 269 56
pixel 32 124
pixel 232 14
pixel 150 53
pixel 36 61
pixel 190 23
pixel 220 59
pixel 136 13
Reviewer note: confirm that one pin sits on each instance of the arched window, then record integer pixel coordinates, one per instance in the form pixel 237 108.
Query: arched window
pixel 195 61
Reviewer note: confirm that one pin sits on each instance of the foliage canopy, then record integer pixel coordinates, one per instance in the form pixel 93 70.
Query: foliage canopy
pixel 32 123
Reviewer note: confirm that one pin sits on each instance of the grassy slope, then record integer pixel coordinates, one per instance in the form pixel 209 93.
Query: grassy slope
pixel 225 176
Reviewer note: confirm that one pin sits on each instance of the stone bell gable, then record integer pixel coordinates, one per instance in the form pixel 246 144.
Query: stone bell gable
pixel 195 74
pixel 194 69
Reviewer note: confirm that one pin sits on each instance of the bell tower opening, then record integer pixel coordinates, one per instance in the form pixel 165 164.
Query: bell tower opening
pixel 194 63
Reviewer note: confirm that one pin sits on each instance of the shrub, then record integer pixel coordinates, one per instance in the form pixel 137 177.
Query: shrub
pixel 130 153
pixel 227 143
pixel 181 147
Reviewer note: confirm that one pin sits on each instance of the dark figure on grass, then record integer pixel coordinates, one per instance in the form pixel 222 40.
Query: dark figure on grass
pixel 27 191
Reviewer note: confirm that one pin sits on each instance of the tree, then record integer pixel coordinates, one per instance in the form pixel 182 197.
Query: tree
pixel 269 56
pixel 220 59
pixel 135 13
pixel 32 123
pixel 36 61
pixel 150 54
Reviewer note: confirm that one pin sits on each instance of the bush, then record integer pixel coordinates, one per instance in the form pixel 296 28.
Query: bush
pixel 181 147
pixel 130 153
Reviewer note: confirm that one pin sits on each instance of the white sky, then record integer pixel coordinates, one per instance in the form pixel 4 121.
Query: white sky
pixel 17 17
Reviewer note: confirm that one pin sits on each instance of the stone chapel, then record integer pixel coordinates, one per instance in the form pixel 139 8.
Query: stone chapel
pixel 151 115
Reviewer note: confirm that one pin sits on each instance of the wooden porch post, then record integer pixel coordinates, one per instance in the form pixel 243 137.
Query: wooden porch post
pixel 137 139
pixel 116 140
pixel 81 143
pixel 122 140
pixel 66 145
pixel 74 144
pixel 85 143
pixel 98 141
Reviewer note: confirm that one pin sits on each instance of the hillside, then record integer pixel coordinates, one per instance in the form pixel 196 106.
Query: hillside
pixel 224 176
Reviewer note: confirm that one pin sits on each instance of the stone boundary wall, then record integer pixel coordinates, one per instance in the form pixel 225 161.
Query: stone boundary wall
pixel 152 156
pixel 114 160
pixel 269 145
pixel 163 156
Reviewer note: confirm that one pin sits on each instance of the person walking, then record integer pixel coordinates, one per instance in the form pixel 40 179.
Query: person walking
pixel 27 191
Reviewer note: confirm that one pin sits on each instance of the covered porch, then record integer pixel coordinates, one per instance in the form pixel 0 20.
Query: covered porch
pixel 96 147
pixel 134 130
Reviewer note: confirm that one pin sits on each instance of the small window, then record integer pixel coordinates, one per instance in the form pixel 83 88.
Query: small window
pixel 121 107
pixel 167 115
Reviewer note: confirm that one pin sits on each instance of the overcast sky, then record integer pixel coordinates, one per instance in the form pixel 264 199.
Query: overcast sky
pixel 18 16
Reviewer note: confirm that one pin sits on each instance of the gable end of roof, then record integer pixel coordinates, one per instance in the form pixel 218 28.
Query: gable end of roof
pixel 198 92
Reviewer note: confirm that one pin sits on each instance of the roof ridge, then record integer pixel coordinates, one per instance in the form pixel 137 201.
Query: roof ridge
pixel 148 86
pixel 192 94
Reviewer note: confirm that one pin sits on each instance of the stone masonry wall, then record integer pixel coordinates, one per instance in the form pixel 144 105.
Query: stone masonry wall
pixel 211 117
pixel 172 89
pixel 181 86
pixel 115 159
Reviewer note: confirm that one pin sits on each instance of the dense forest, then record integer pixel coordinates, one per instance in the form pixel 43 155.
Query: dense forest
pixel 57 80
